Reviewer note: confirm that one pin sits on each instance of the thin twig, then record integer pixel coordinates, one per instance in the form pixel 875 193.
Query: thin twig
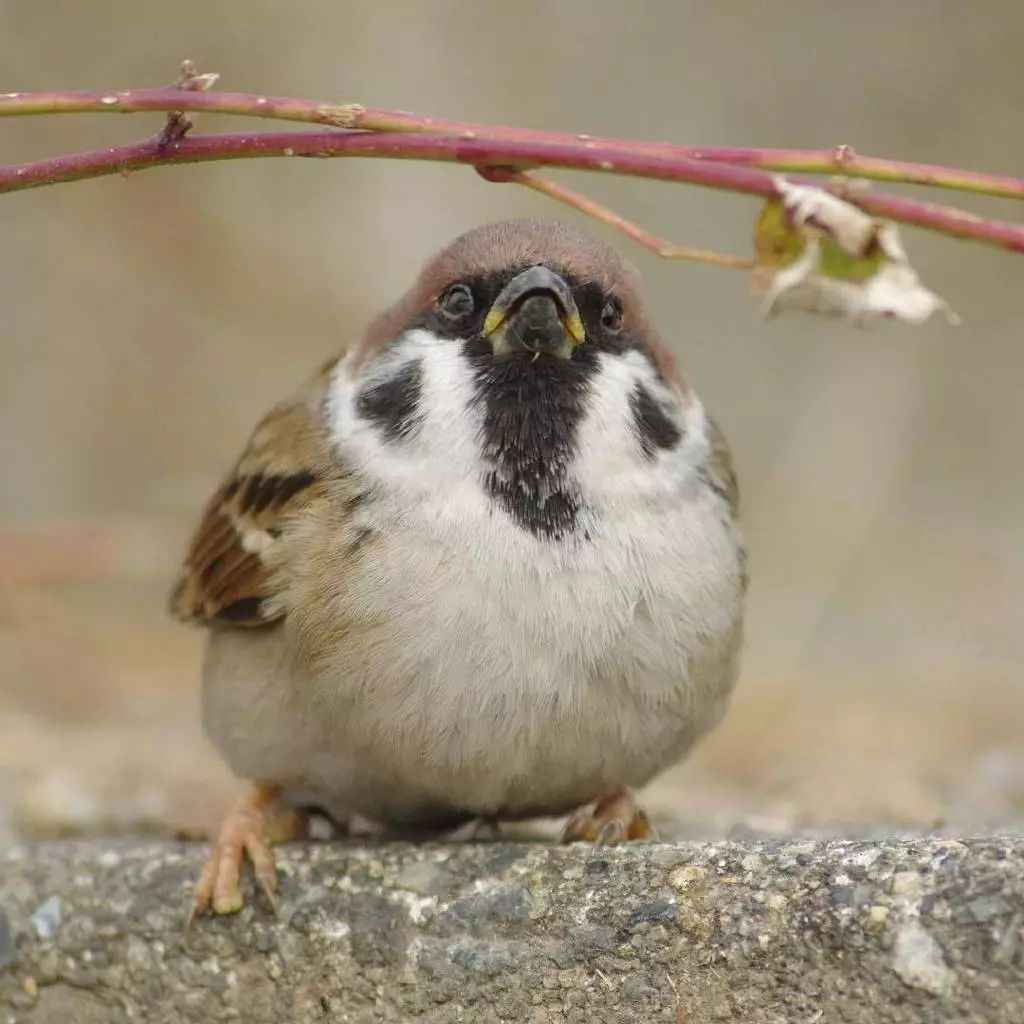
pixel 842 160
pixel 516 154
pixel 178 123
pixel 659 246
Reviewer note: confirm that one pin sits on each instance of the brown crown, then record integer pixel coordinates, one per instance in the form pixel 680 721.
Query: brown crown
pixel 511 245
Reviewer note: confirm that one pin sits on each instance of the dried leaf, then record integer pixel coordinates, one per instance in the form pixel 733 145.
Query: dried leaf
pixel 190 79
pixel 817 252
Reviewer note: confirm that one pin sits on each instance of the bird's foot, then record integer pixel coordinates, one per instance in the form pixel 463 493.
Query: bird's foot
pixel 614 819
pixel 250 827
pixel 478 830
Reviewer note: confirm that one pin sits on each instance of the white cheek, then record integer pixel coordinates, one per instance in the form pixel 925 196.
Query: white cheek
pixel 444 450
pixel 439 466
pixel 452 424
pixel 611 464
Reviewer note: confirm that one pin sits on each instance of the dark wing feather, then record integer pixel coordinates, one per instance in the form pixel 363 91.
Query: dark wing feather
pixel 227 576
pixel 721 476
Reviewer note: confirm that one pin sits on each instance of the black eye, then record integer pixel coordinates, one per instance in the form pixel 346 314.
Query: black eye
pixel 456 303
pixel 611 315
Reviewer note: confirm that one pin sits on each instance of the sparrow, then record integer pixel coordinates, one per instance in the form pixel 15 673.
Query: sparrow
pixel 484 566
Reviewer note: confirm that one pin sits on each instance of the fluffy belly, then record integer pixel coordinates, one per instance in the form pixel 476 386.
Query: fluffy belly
pixel 459 684
pixel 508 755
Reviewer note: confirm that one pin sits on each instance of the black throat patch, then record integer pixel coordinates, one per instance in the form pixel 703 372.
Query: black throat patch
pixel 532 410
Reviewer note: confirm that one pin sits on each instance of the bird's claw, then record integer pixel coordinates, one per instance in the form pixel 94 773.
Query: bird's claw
pixel 247 832
pixel 615 819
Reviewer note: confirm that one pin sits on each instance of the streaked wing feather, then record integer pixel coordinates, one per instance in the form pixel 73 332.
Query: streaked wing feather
pixel 226 577
pixel 721 478
pixel 720 473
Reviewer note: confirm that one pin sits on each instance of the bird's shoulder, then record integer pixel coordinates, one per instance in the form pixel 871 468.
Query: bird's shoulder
pixel 229 575
pixel 718 467
pixel 720 476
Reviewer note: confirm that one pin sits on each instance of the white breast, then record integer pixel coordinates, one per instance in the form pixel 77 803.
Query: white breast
pixel 492 670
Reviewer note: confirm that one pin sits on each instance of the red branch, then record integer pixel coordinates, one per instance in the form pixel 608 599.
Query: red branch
pixel 841 160
pixel 518 153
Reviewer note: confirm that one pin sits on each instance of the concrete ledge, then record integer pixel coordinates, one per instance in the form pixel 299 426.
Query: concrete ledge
pixel 905 930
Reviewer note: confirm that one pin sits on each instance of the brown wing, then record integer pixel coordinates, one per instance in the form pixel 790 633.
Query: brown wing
pixel 721 476
pixel 226 578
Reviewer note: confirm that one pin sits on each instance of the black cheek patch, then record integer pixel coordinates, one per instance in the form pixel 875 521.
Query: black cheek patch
pixel 651 423
pixel 393 404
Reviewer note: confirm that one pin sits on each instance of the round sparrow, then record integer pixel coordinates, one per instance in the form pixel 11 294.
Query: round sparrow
pixel 483 566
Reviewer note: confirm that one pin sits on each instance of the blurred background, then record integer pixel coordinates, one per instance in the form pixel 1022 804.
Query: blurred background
pixel 147 323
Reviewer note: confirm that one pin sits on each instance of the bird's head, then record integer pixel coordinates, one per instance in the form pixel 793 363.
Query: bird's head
pixel 526 290
pixel 521 358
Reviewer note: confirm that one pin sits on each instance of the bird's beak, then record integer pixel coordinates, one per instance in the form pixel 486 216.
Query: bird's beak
pixel 535 311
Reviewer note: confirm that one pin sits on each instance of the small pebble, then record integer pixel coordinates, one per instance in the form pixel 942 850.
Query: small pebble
pixel 47 918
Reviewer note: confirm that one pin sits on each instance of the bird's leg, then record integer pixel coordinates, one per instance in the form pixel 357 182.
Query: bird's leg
pixel 252 824
pixel 614 819
pixel 484 829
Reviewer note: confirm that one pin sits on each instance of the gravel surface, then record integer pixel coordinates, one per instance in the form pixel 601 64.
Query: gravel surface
pixel 900 930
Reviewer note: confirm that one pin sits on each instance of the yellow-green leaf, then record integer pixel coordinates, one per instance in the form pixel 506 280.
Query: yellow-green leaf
pixel 818 252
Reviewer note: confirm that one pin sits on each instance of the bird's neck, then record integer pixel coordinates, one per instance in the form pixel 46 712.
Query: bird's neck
pixel 547 441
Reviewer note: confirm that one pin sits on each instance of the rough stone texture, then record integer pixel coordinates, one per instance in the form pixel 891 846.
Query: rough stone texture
pixel 798 931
